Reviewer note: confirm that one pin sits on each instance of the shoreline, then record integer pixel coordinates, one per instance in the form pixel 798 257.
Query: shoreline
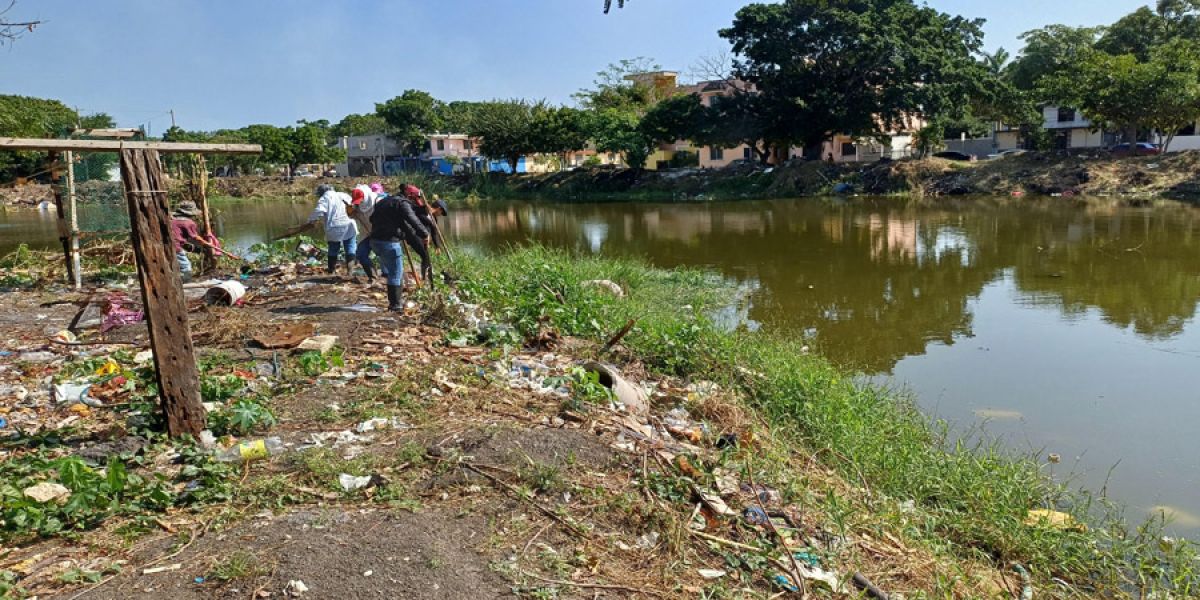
pixel 863 464
pixel 1065 174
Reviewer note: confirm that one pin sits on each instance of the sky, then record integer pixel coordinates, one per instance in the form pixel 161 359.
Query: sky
pixel 221 63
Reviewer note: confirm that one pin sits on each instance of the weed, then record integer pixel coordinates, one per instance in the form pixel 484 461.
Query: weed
pixel 543 478
pixel 585 387
pixel 245 415
pixel 76 575
pixel 313 363
pixel 238 565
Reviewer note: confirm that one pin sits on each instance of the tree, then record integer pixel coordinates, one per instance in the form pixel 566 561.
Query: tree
pixel 558 130
pixel 616 130
pixel 23 116
pixel 310 145
pixel 356 124
pixel 410 116
pixel 1137 33
pixel 453 117
pixel 1050 51
pixel 855 67
pixel 681 117
pixel 505 129
pixel 740 118
pixel 1161 94
pixel 11 29
pixel 617 87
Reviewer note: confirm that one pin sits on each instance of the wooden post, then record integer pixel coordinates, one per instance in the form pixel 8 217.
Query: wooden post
pixel 74 207
pixel 162 292
pixel 64 235
pixel 199 188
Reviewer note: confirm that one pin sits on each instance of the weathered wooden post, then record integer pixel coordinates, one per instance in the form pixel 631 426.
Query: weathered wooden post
pixel 64 235
pixel 198 182
pixel 162 292
pixel 74 208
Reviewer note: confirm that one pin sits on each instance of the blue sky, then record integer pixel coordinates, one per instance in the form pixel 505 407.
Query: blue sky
pixel 220 63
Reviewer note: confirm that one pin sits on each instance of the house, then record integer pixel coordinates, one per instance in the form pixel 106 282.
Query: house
pixel 445 153
pixel 842 148
pixel 1068 127
pixel 1188 138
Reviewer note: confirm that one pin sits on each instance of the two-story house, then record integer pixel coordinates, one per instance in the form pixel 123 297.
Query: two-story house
pixel 1068 127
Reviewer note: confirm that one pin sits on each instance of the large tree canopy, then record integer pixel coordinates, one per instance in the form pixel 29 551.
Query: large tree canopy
pixel 859 67
pixel 410 116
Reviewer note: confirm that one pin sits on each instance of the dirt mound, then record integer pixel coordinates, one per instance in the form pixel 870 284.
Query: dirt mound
pixel 336 553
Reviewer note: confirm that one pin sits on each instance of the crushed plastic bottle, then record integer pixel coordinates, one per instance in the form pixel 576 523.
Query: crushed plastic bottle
pixel 252 450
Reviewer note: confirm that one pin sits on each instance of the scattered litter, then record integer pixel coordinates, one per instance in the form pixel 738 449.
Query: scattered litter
pixel 110 367
pixel 171 567
pixel 755 516
pixel 320 343
pixel 351 482
pixel 36 357
pixel 1053 519
pixel 715 503
pixel 286 336
pixel 361 308
pixel 46 492
pixel 679 424
pixel 3 422
pixel 711 573
pixel 368 573
pixel 74 392
pixel 143 357
pixel 606 285
pixel 207 440
pixel 226 293
pixel 198 580
pixel 632 397
pixel 250 451
pixel 65 336
pixel 379 423
pixel 115 313
pixel 295 588
pixel 648 541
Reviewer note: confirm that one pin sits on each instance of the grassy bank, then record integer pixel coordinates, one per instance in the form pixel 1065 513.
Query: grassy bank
pixel 965 503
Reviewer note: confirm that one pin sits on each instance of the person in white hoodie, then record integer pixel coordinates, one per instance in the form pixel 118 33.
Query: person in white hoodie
pixel 362 201
pixel 340 230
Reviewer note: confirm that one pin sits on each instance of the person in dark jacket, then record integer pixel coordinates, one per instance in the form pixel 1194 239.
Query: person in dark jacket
pixel 420 244
pixel 393 222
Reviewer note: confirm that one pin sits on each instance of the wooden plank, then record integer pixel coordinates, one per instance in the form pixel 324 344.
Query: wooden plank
pixel 162 293
pixel 107 133
pixel 199 187
pixel 8 143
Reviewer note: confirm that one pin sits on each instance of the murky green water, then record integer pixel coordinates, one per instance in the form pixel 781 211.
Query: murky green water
pixel 1070 329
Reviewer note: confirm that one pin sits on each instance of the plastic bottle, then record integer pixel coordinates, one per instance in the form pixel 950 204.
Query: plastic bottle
pixel 252 450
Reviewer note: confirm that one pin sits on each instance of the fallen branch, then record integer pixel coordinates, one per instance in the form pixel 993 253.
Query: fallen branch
pixel 619 335
pixel 597 586
pixel 515 492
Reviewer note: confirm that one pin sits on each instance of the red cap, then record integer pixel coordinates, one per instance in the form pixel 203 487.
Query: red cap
pixel 412 191
pixel 357 197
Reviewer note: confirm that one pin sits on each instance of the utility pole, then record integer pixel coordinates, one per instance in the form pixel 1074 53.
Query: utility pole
pixel 172 118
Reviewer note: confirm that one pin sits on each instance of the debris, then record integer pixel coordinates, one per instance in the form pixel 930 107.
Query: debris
pixel 351 482
pixel 1053 519
pixel 379 423
pixel 207 440
pixel 727 441
pixel 249 451
pixel 632 397
pixel 715 503
pixel 1054 458
pixel 286 336
pixel 320 343
pixel 648 541
pixel 36 357
pixel 606 285
pixel 295 588
pixel 115 314
pixel 755 516
pixel 143 357
pixel 46 491
pixel 361 308
pixel 170 567
pixel 75 393
pixel 65 337
pixel 711 573
pixel 227 293
pixel 110 367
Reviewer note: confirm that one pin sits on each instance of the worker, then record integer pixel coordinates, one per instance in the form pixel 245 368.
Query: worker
pixel 415 199
pixel 428 216
pixel 392 223
pixel 186 236
pixel 340 229
pixel 362 204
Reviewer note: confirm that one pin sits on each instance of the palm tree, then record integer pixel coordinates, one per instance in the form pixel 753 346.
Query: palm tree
pixel 608 5
pixel 997 61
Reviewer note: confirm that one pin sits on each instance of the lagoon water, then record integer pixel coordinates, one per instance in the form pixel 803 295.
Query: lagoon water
pixel 1062 327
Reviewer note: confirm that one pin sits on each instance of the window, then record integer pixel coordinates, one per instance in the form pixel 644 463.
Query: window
pixel 715 153
pixel 362 145
pixel 1189 130
pixel 441 144
pixel 468 145
pixel 746 153
pixel 849 149
pixel 1066 115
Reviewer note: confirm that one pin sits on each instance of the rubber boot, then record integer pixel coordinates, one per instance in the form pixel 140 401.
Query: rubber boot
pixel 369 269
pixel 331 265
pixel 394 294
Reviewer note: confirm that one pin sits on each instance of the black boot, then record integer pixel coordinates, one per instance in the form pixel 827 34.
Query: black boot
pixel 395 293
pixel 369 269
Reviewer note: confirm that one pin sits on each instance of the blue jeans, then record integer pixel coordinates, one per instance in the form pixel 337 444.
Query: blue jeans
pixel 185 264
pixel 391 260
pixel 364 256
pixel 335 249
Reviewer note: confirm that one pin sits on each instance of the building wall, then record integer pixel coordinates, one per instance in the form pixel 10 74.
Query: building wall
pixel 726 156
pixel 1007 140
pixel 1086 138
